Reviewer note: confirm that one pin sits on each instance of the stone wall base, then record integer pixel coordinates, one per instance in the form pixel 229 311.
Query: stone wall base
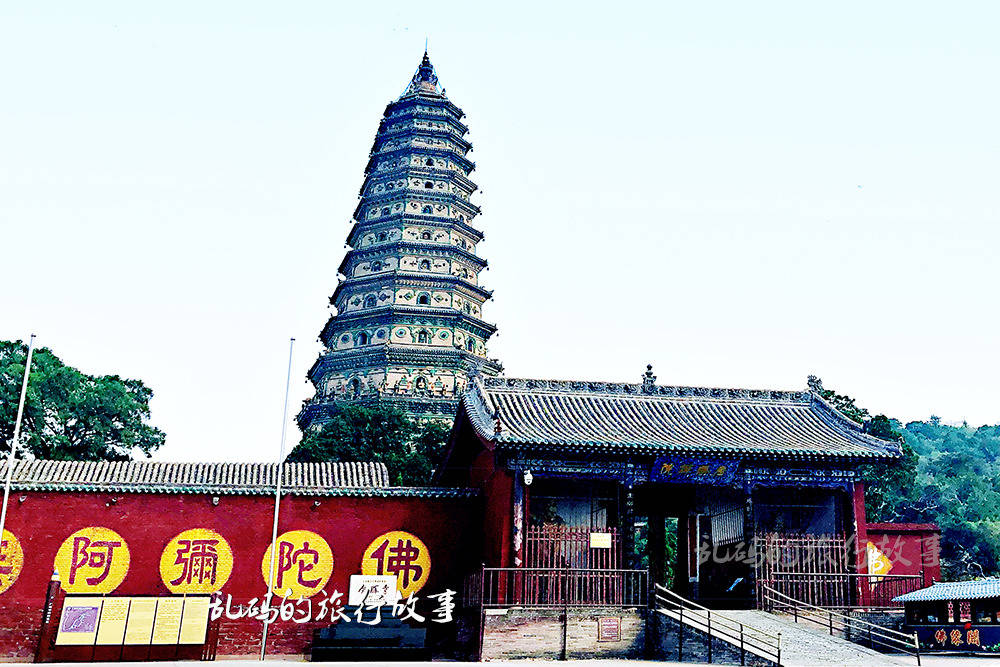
pixel 691 645
pixel 554 634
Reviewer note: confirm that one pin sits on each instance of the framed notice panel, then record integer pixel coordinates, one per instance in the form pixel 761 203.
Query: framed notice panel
pixel 111 627
pixel 167 624
pixel 79 620
pixel 609 629
pixel 600 540
pixel 133 621
pixel 194 624
pixel 139 626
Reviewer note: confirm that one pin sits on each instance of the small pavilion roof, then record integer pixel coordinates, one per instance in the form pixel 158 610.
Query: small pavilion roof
pixel 954 590
pixel 581 416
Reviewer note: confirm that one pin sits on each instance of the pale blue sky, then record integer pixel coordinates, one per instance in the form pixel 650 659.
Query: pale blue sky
pixel 740 193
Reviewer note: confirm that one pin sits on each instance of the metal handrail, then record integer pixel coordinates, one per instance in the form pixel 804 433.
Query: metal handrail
pixel 844 589
pixel 893 638
pixel 689 604
pixel 718 625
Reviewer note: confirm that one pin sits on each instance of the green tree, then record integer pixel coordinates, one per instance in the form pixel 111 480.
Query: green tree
pixel 958 488
pixel 948 475
pixel 70 415
pixel 888 486
pixel 377 432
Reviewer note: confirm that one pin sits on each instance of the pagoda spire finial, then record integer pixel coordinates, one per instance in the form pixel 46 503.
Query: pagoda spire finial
pixel 425 79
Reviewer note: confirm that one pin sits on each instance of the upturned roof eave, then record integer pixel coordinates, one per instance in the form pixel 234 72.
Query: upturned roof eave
pixel 391 222
pixel 510 444
pixel 467 164
pixel 494 425
pixel 413 245
pixel 402 276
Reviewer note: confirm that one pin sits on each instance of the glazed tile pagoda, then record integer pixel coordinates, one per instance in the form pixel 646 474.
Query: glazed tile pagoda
pixel 409 325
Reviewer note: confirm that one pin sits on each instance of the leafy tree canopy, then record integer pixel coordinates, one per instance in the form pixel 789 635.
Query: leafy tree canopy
pixel 69 415
pixel 377 432
pixel 949 475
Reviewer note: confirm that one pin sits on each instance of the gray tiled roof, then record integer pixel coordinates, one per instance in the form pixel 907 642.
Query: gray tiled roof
pixel 954 590
pixel 581 416
pixel 312 479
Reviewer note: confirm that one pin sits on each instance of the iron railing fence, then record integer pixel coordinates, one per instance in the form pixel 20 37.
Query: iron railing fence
pixel 572 547
pixel 556 587
pixel 844 590
pixel 855 629
pixel 743 637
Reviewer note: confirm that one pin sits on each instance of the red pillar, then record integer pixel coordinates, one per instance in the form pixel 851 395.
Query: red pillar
pixel 861 542
pixel 517 522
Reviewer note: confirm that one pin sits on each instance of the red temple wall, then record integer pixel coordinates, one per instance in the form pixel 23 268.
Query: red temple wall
pixel 497 485
pixel 450 528
pixel 913 548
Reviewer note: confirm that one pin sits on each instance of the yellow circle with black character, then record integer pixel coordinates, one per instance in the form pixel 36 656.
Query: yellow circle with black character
pixel 11 560
pixel 92 560
pixel 198 560
pixel 401 554
pixel 303 564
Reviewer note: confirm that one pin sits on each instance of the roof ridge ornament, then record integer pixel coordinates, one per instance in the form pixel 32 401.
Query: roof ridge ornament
pixel 815 385
pixel 649 380
pixel 497 427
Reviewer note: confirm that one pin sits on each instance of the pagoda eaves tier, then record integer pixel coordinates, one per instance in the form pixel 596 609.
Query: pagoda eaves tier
pixel 409 324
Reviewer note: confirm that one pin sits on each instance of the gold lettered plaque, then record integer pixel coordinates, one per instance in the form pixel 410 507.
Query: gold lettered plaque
pixel 194 625
pixel 114 613
pixel 78 623
pixel 139 628
pixel 167 625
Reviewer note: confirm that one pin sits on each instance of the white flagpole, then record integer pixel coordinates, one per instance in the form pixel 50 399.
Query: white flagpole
pixel 17 434
pixel 279 466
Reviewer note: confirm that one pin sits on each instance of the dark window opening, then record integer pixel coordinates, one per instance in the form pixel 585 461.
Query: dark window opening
pixel 580 504
pixel 810 511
